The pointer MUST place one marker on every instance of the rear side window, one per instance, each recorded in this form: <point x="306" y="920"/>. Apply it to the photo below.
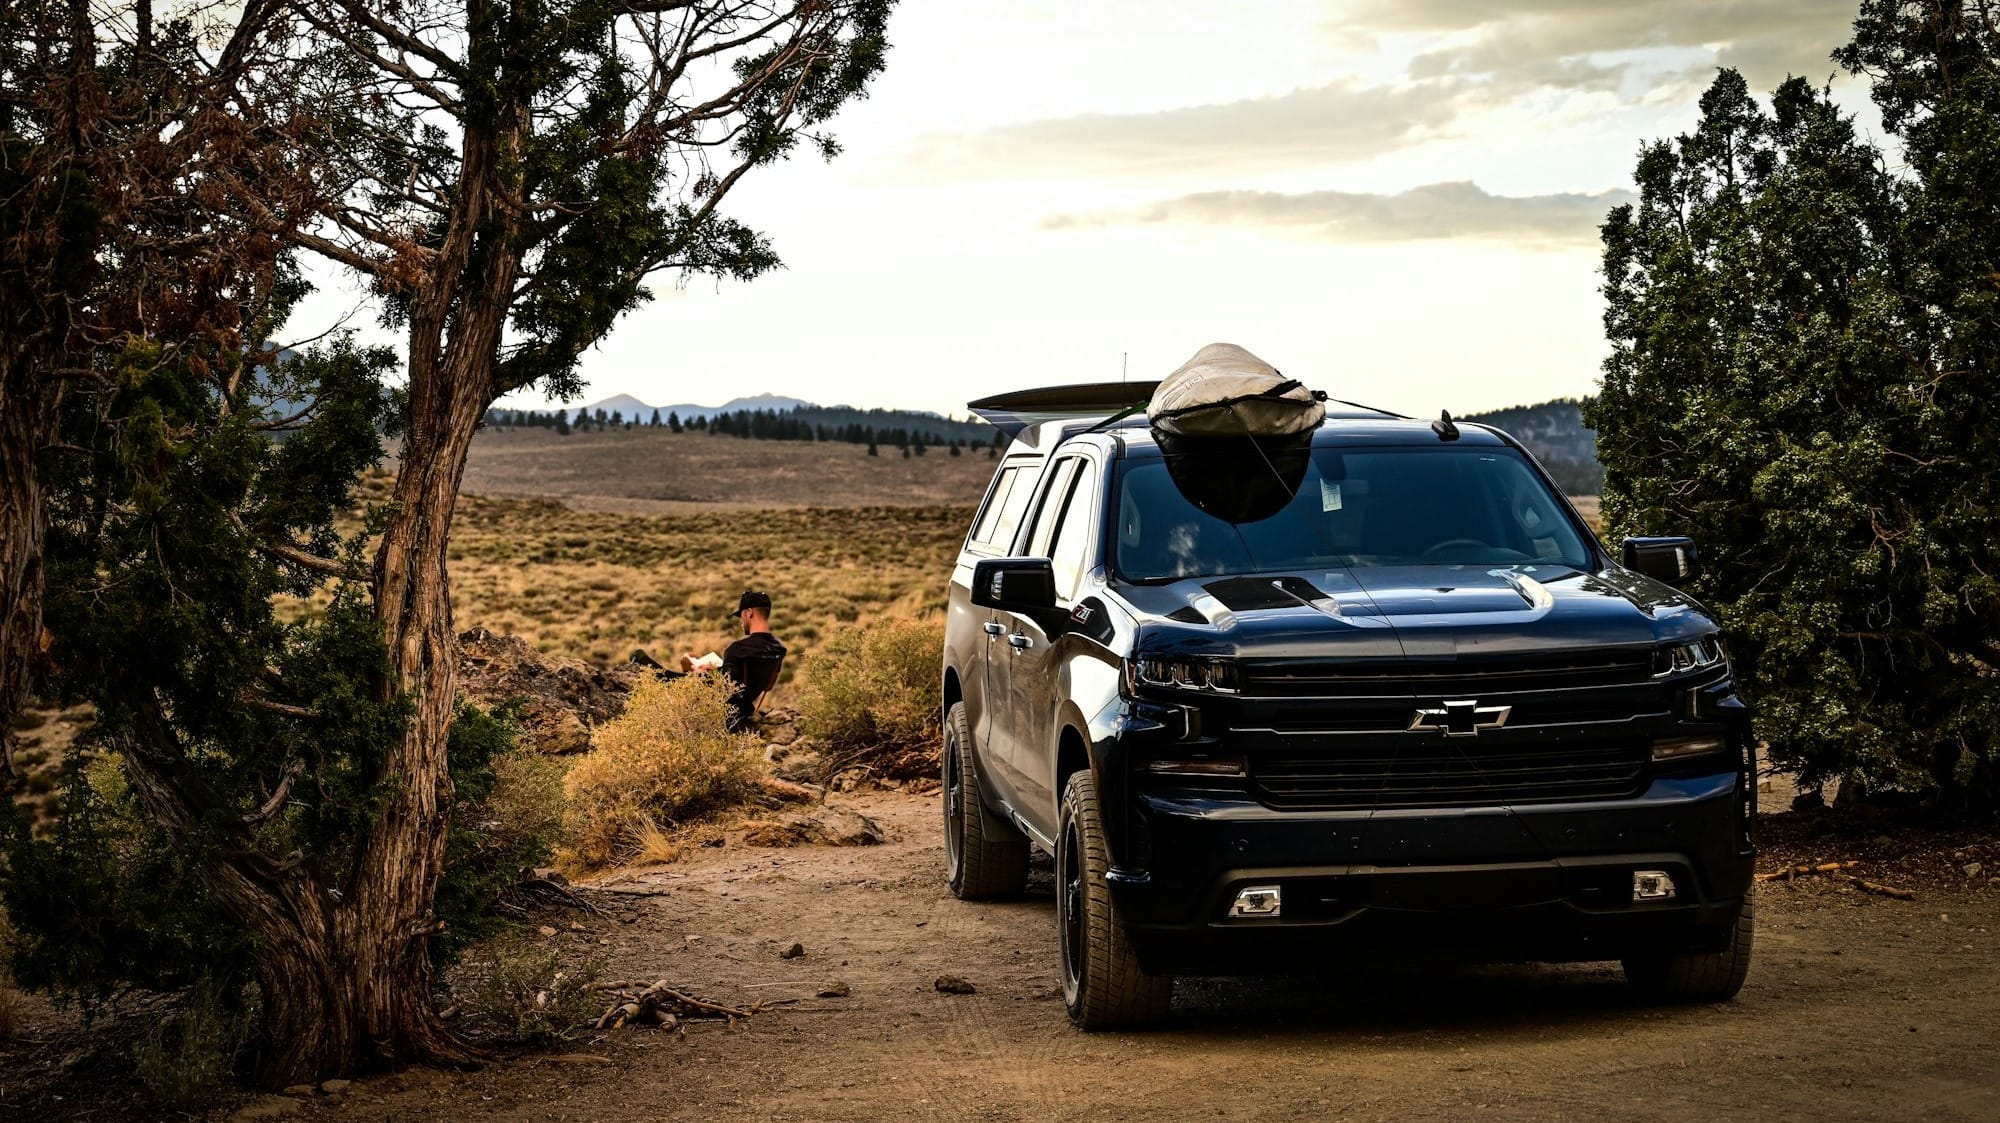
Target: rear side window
<point x="1051" y="508"/>
<point x="1071" y="552"/>
<point x="1001" y="517"/>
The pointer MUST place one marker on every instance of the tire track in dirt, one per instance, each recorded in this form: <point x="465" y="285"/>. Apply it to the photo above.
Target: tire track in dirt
<point x="1858" y="1007"/>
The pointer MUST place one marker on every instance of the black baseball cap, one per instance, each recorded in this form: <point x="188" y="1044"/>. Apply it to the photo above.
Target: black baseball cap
<point x="751" y="599"/>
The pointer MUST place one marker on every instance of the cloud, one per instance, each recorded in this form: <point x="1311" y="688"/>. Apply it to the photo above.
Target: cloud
<point x="1434" y="211"/>
<point x="1767" y="38"/>
<point x="1330" y="123"/>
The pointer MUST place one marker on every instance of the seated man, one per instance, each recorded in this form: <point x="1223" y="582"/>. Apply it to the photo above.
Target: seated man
<point x="751" y="662"/>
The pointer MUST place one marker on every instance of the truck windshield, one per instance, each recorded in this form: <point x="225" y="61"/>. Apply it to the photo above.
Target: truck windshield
<point x="1373" y="507"/>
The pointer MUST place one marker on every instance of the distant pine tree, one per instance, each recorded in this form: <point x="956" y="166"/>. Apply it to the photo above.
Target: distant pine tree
<point x="674" y="422"/>
<point x="655" y="423"/>
<point x="872" y="450"/>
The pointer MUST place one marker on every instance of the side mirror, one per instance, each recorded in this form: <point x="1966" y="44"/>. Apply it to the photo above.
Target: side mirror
<point x="1014" y="584"/>
<point x="1672" y="560"/>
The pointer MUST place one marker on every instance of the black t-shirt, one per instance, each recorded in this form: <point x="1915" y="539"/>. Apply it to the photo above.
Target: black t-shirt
<point x="736" y="660"/>
<point x="756" y="645"/>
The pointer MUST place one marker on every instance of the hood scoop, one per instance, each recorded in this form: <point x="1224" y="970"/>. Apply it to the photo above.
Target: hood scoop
<point x="1254" y="594"/>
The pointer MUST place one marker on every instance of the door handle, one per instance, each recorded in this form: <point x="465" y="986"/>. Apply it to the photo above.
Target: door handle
<point x="1020" y="642"/>
<point x="993" y="628"/>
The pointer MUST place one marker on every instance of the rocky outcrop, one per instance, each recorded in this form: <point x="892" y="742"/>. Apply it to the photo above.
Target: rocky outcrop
<point x="563" y="700"/>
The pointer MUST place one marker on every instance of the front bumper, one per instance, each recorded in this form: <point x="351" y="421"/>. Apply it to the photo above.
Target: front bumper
<point x="1549" y="882"/>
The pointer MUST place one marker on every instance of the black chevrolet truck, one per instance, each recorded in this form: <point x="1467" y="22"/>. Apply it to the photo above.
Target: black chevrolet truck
<point x="1415" y="708"/>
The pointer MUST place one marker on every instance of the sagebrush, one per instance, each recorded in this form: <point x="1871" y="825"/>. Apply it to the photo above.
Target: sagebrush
<point x="871" y="696"/>
<point x="667" y="761"/>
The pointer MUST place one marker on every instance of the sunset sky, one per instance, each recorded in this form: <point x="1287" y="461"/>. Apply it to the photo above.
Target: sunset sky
<point x="1395" y="201"/>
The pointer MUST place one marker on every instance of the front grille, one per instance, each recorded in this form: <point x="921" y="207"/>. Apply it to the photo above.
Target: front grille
<point x="1450" y="774"/>
<point x="1461" y="677"/>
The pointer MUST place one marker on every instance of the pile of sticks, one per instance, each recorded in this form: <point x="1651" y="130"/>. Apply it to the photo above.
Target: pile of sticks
<point x="1791" y="872"/>
<point x="634" y="1004"/>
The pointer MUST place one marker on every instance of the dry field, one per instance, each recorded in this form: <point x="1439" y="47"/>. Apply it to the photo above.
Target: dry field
<point x="597" y="585"/>
<point x="653" y="471"/>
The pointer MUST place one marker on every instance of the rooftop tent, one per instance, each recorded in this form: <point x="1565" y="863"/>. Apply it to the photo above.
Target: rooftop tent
<point x="1011" y="413"/>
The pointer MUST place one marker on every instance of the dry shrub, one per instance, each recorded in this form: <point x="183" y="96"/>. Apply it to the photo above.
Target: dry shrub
<point x="669" y="760"/>
<point x="871" y="696"/>
<point x="519" y="990"/>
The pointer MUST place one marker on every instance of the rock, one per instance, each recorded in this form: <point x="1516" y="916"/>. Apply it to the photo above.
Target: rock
<point x="265" y="1107"/>
<point x="335" y="1087"/>
<point x="796" y="951"/>
<point x="298" y="1089"/>
<point x="1973" y="869"/>
<point x="841" y="826"/>
<point x="546" y="930"/>
<point x="834" y="988"/>
<point x="952" y="984"/>
<point x="829" y="824"/>
<point x="800" y="766"/>
<point x="776" y="833"/>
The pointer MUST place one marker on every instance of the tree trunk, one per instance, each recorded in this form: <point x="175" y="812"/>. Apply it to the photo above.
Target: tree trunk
<point x="27" y="427"/>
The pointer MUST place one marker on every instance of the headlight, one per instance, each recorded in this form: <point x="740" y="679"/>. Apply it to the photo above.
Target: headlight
<point x="1695" y="655"/>
<point x="1214" y="676"/>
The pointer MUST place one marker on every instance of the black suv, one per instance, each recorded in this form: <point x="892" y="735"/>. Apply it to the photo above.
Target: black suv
<point x="1419" y="708"/>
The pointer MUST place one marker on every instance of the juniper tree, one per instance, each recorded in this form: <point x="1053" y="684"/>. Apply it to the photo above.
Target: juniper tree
<point x="1805" y="346"/>
<point x="518" y="173"/>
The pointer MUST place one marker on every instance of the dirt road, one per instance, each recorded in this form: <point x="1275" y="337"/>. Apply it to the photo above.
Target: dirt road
<point x="1859" y="1007"/>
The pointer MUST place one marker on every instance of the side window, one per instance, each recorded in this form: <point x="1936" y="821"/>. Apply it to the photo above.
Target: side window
<point x="996" y="501"/>
<point x="1051" y="509"/>
<point x="1001" y="521"/>
<point x="1073" y="535"/>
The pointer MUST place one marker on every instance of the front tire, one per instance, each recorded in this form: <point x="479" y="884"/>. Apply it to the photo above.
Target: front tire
<point x="984" y="857"/>
<point x="1103" y="986"/>
<point x="1713" y="976"/>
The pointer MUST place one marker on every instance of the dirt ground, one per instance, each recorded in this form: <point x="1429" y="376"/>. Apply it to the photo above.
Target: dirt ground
<point x="1859" y="1006"/>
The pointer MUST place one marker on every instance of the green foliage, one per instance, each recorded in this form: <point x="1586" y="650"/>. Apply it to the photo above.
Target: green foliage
<point x="187" y="1056"/>
<point x="107" y="899"/>
<point x="162" y="506"/>
<point x="1805" y="346"/>
<point x="508" y="817"/>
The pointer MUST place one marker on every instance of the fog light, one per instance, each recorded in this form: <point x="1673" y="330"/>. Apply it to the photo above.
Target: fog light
<point x="1257" y="900"/>
<point x="1676" y="747"/>
<point x="1652" y="885"/>
<point x="1203" y="766"/>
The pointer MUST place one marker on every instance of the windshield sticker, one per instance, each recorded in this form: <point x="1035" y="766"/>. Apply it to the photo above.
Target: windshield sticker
<point x="1329" y="495"/>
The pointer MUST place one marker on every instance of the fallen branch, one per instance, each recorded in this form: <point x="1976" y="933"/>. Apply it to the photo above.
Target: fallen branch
<point x="1884" y="890"/>
<point x="1789" y="872"/>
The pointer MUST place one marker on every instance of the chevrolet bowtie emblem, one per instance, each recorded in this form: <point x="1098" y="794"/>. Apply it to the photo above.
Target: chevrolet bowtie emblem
<point x="1461" y="719"/>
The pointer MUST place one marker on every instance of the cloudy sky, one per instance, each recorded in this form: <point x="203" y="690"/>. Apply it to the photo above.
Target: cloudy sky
<point x="1393" y="200"/>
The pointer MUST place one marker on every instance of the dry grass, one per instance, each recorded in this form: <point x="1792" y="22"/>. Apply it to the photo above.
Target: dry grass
<point x="597" y="586"/>
<point x="656" y="472"/>
<point x="667" y="762"/>
<point x="872" y="697"/>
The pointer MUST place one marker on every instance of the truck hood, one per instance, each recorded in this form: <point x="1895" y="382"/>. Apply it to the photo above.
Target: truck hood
<point x="1421" y="611"/>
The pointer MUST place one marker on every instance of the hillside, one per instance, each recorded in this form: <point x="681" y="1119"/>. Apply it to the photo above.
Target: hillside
<point x="1555" y="433"/>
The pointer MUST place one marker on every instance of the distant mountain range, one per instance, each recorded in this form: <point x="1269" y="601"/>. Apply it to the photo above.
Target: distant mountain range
<point x="1554" y="431"/>
<point x="629" y="407"/>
